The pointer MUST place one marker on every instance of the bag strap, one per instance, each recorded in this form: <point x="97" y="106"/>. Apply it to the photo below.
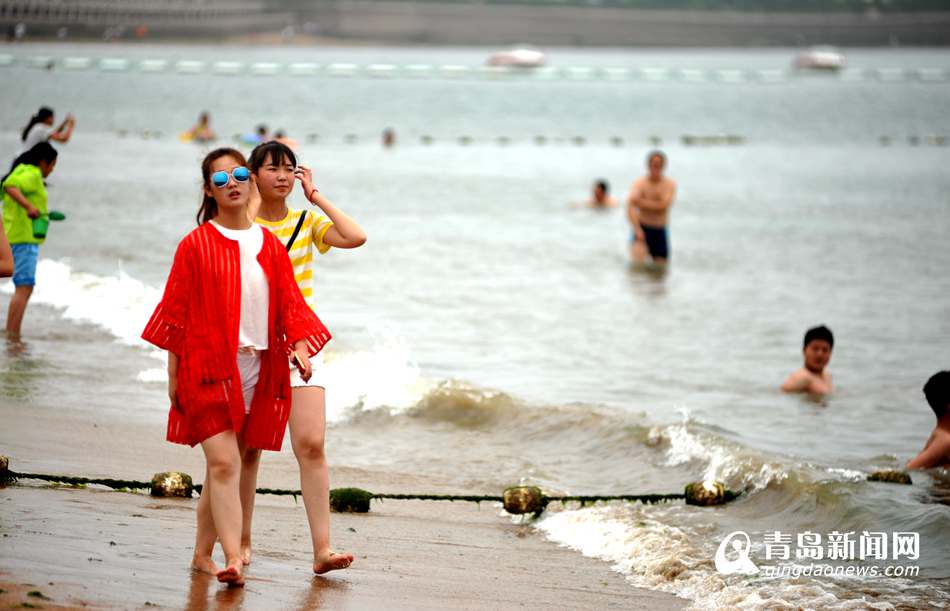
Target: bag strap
<point x="293" y="236"/>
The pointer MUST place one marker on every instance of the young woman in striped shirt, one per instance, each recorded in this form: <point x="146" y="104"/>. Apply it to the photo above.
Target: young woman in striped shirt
<point x="230" y="315"/>
<point x="275" y="171"/>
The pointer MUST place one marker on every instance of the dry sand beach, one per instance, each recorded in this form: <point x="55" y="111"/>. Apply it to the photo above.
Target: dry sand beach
<point x="100" y="548"/>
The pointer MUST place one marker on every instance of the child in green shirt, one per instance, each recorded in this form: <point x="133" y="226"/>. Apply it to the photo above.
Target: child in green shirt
<point x="24" y="199"/>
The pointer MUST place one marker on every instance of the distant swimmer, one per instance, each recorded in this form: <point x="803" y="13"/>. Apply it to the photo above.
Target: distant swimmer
<point x="389" y="137"/>
<point x="261" y="134"/>
<point x="601" y="197"/>
<point x="813" y="378"/>
<point x="936" y="452"/>
<point x="201" y="131"/>
<point x="648" y="209"/>
<point x="40" y="129"/>
<point x="282" y="137"/>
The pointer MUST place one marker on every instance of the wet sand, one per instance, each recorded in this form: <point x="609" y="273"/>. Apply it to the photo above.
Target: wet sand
<point x="80" y="547"/>
<point x="103" y="548"/>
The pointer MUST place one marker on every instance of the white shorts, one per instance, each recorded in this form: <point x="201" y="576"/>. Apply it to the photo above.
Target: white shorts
<point x="249" y="364"/>
<point x="317" y="380"/>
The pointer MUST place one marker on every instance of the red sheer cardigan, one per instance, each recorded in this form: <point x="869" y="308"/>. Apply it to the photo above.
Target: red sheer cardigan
<point x="198" y="319"/>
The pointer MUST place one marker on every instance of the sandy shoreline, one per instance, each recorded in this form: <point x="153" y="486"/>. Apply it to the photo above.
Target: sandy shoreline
<point x="90" y="547"/>
<point x="118" y="550"/>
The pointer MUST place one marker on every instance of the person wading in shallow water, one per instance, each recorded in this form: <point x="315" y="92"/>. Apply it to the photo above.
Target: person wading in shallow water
<point x="24" y="199"/>
<point x="648" y="210"/>
<point x="40" y="129"/>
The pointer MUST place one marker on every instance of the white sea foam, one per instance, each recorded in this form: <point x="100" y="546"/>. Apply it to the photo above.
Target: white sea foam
<point x="672" y="547"/>
<point x="382" y="376"/>
<point x="153" y="375"/>
<point x="118" y="304"/>
<point x="642" y="543"/>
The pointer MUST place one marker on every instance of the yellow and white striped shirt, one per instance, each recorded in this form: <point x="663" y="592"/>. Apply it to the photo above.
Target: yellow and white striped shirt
<point x="314" y="227"/>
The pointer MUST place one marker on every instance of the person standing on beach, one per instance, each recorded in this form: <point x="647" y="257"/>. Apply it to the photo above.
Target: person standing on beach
<point x="24" y="199"/>
<point x="813" y="378"/>
<point x="274" y="168"/>
<point x="40" y="129"/>
<point x="648" y="209"/>
<point x="936" y="452"/>
<point x="230" y="315"/>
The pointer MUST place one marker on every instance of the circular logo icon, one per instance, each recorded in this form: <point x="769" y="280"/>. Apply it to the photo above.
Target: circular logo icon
<point x="741" y="564"/>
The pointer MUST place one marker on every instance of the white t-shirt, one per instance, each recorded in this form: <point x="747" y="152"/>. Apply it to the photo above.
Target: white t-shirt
<point x="38" y="133"/>
<point x="255" y="292"/>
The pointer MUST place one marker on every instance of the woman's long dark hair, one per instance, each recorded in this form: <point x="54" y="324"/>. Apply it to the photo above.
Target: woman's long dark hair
<point x="44" y="113"/>
<point x="209" y="207"/>
<point x="43" y="151"/>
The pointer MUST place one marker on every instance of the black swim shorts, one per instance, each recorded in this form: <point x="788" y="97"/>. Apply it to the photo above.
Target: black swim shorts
<point x="657" y="242"/>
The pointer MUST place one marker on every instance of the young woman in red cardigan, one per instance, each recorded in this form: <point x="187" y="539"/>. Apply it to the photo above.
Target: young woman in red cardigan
<point x="230" y="317"/>
<point x="302" y="232"/>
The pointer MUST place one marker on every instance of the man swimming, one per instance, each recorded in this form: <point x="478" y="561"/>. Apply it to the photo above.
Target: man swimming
<point x="936" y="452"/>
<point x="648" y="210"/>
<point x="601" y="197"/>
<point x="813" y="378"/>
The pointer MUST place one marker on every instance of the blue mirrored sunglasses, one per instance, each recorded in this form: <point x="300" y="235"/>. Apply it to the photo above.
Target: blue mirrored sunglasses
<point x="221" y="179"/>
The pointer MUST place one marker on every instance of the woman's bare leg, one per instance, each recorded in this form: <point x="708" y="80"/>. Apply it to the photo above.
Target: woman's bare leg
<point x="224" y="473"/>
<point x="206" y="534"/>
<point x="307" y="432"/>
<point x="250" y="463"/>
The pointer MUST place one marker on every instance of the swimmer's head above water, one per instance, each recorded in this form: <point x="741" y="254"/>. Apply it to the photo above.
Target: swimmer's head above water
<point x="937" y="391"/>
<point x="817" y="347"/>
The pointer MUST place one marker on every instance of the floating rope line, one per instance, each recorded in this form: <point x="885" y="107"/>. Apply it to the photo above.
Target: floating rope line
<point x="518" y="500"/>
<point x="118" y="484"/>
<point x="515" y="500"/>
<point x="648" y="74"/>
<point x="128" y="484"/>
<point x="553" y="141"/>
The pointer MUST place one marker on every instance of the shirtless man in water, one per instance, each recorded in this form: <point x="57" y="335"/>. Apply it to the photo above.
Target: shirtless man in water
<point x="813" y="378"/>
<point x="936" y="452"/>
<point x="648" y="209"/>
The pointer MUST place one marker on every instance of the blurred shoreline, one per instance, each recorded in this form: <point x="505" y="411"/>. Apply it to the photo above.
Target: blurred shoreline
<point x="385" y="22"/>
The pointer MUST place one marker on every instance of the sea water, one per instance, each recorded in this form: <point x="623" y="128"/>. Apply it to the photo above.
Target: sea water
<point x="492" y="332"/>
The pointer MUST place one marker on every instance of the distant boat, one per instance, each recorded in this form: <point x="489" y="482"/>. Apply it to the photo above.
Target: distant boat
<point x="820" y="58"/>
<point x="518" y="57"/>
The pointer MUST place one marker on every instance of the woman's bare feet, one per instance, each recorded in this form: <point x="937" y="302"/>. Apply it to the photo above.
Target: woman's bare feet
<point x="246" y="553"/>
<point x="204" y="564"/>
<point x="232" y="575"/>
<point x="332" y="562"/>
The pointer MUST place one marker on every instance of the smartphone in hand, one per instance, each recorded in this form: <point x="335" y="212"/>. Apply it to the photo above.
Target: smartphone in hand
<point x="298" y="362"/>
